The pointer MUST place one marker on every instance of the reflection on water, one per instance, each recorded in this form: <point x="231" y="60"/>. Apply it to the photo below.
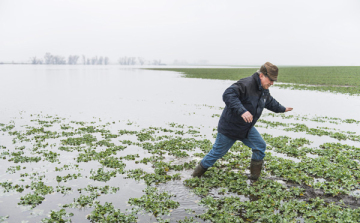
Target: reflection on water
<point x="188" y="201"/>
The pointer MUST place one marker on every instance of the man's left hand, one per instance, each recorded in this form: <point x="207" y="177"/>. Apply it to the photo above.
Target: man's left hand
<point x="288" y="109"/>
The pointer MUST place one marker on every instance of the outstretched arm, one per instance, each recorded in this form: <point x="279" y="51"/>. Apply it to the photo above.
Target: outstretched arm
<point x="274" y="105"/>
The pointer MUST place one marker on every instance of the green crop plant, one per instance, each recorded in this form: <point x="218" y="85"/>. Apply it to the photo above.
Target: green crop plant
<point x="20" y="158"/>
<point x="31" y="199"/>
<point x="63" y="189"/>
<point x="155" y="202"/>
<point x="68" y="177"/>
<point x="102" y="190"/>
<point x="86" y="139"/>
<point x="102" y="175"/>
<point x="40" y="188"/>
<point x="58" y="216"/>
<point x="49" y="156"/>
<point x="13" y="169"/>
<point x="130" y="157"/>
<point x="112" y="162"/>
<point x="83" y="201"/>
<point x="8" y="187"/>
<point x="159" y="177"/>
<point x="107" y="213"/>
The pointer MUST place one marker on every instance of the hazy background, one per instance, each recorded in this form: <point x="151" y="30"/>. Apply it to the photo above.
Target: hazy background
<point x="217" y="32"/>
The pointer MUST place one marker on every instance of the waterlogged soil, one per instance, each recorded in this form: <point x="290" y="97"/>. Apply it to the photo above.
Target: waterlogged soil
<point x="96" y="162"/>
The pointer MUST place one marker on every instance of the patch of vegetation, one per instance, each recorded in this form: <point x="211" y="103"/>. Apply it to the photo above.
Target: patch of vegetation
<point x="107" y="213"/>
<point x="13" y="169"/>
<point x="160" y="176"/>
<point x="85" y="139"/>
<point x="31" y="199"/>
<point x="232" y="209"/>
<point x="40" y="188"/>
<point x="68" y="177"/>
<point x="63" y="189"/>
<point x="83" y="201"/>
<point x="58" y="216"/>
<point x="102" y="190"/>
<point x="102" y="175"/>
<point x="341" y="79"/>
<point x="112" y="162"/>
<point x="155" y="202"/>
<point x="8" y="187"/>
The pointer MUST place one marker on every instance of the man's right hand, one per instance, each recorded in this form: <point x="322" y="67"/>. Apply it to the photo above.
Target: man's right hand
<point x="247" y="116"/>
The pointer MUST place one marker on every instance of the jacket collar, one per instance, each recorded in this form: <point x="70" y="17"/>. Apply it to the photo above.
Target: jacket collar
<point x="258" y="81"/>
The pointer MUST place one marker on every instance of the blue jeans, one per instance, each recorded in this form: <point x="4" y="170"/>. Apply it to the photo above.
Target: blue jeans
<point x="223" y="144"/>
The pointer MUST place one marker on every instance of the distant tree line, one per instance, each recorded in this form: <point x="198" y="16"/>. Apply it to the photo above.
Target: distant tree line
<point x="95" y="60"/>
<point x="137" y="61"/>
<point x="74" y="59"/>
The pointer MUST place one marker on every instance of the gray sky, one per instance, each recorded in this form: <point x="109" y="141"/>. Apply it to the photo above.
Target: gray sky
<point x="316" y="32"/>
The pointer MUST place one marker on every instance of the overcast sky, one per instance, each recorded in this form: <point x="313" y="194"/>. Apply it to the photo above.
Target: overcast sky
<point x="284" y="32"/>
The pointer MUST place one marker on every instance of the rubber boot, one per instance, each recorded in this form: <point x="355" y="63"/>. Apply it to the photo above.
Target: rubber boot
<point x="199" y="171"/>
<point x="255" y="169"/>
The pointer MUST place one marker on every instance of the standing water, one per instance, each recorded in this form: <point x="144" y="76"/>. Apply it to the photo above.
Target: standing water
<point x="116" y="98"/>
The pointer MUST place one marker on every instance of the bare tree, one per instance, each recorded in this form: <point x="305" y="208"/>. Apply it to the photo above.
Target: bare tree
<point x="51" y="59"/>
<point x="131" y="61"/>
<point x="48" y="58"/>
<point x="106" y="60"/>
<point x="141" y="60"/>
<point x="127" y="60"/>
<point x="157" y="62"/>
<point x="100" y="60"/>
<point x="58" y="60"/>
<point x="73" y="59"/>
<point x="34" y="60"/>
<point x="94" y="60"/>
<point x="88" y="61"/>
<point x="84" y="59"/>
<point x="70" y="60"/>
<point x="122" y="60"/>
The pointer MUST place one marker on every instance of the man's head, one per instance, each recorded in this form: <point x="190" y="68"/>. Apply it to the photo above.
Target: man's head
<point x="268" y="74"/>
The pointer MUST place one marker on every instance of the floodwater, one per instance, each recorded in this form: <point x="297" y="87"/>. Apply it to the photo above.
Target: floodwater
<point x="145" y="97"/>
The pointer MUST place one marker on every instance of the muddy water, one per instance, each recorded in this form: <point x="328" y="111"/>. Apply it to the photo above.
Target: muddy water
<point x="145" y="98"/>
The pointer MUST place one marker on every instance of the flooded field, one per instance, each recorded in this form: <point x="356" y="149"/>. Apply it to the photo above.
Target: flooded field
<point x="93" y="144"/>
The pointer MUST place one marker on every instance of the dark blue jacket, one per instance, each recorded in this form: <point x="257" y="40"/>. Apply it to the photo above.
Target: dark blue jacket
<point x="245" y="95"/>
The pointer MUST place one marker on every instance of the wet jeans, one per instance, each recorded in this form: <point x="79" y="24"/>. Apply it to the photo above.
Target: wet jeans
<point x="223" y="144"/>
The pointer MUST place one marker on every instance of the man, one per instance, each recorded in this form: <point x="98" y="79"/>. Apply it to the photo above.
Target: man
<point x="245" y="101"/>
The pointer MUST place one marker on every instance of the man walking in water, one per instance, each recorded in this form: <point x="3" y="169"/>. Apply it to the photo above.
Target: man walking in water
<point x="245" y="101"/>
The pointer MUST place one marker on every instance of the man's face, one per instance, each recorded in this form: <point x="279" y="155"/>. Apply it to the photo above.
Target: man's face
<point x="265" y="81"/>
